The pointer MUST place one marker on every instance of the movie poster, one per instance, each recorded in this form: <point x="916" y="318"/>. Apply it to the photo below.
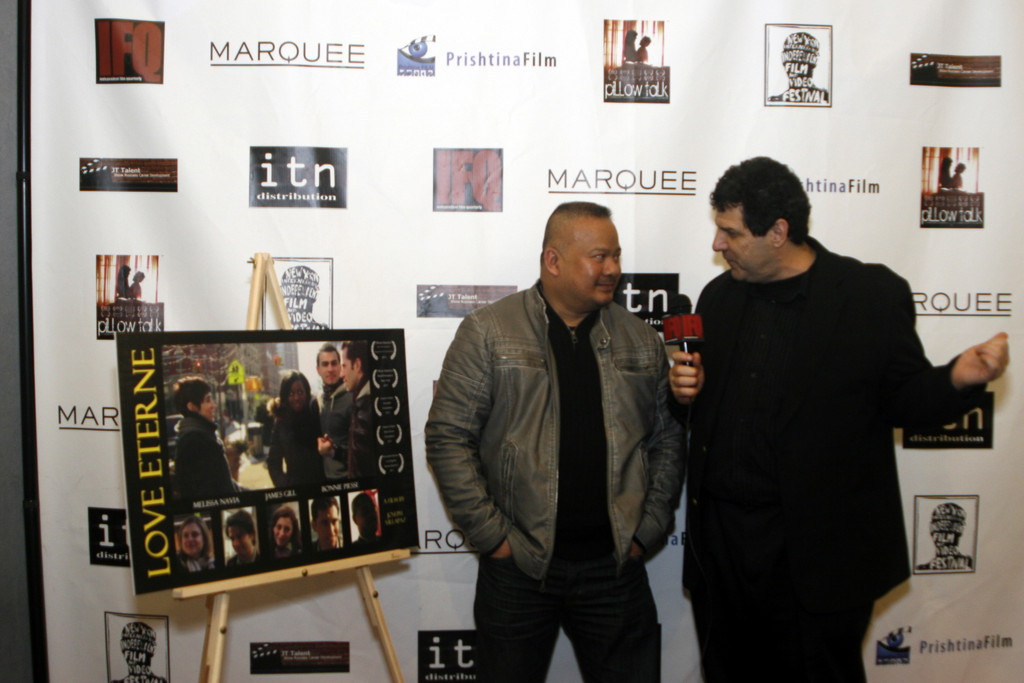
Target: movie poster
<point x="247" y="452"/>
<point x="950" y="188"/>
<point x="128" y="295"/>
<point x="634" y="62"/>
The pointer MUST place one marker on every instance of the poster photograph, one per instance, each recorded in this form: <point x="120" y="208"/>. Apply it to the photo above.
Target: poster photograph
<point x="248" y="452"/>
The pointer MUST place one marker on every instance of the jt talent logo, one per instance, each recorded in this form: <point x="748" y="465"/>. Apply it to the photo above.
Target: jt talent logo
<point x="108" y="537"/>
<point x="972" y="430"/>
<point x="956" y="70"/>
<point x="447" y="656"/>
<point x="945" y="534"/>
<point x="293" y="53"/>
<point x="311" y="177"/>
<point x="964" y="304"/>
<point x="456" y="301"/>
<point x="642" y="181"/>
<point x="893" y="650"/>
<point x="797" y="65"/>
<point x="417" y="58"/>
<point x="467" y="179"/>
<point x="129" y="51"/>
<point x="646" y="295"/>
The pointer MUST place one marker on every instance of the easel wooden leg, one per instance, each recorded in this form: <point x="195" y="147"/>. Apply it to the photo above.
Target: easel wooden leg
<point x="370" y="599"/>
<point x="216" y="630"/>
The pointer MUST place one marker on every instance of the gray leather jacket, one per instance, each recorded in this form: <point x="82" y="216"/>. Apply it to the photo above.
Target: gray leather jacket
<point x="492" y="434"/>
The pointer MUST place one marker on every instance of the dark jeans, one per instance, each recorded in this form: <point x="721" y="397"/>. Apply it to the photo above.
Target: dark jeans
<point x="611" y="621"/>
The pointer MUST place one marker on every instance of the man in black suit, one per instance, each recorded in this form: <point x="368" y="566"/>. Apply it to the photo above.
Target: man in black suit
<point x="794" y="519"/>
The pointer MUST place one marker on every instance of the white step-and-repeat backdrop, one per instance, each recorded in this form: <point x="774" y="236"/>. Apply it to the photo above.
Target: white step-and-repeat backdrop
<point x="398" y="160"/>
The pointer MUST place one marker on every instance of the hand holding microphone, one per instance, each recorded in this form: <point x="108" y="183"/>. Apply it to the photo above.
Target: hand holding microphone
<point x="685" y="331"/>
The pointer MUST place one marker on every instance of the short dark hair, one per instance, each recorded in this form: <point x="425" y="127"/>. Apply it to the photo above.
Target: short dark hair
<point x="243" y="520"/>
<point x="323" y="503"/>
<point x="362" y="504"/>
<point x="191" y="389"/>
<point x="766" y="190"/>
<point x="358" y="350"/>
<point x="571" y="210"/>
<point x="327" y="347"/>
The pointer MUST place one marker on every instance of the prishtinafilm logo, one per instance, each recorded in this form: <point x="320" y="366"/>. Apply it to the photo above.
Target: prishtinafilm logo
<point x="893" y="649"/>
<point x="417" y="58"/>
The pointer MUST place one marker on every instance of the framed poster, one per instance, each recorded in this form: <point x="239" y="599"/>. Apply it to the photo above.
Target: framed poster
<point x="248" y="452"/>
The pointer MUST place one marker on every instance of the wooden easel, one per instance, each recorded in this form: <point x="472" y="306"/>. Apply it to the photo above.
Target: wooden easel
<point x="218" y="592"/>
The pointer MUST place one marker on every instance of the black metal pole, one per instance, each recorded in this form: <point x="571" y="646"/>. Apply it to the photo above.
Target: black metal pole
<point x="30" y="465"/>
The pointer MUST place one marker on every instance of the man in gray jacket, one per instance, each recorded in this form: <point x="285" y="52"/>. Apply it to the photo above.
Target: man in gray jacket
<point x="555" y="453"/>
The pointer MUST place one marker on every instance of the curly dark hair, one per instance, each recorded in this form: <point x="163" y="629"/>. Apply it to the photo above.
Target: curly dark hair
<point x="766" y="190"/>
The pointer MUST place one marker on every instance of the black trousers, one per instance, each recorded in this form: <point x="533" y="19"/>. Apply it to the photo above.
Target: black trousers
<point x="750" y="623"/>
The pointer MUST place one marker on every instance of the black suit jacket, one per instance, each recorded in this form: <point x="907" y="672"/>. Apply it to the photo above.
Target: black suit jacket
<point x="858" y="371"/>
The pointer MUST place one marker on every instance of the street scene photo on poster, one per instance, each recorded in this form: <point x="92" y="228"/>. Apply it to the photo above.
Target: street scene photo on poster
<point x="247" y="452"/>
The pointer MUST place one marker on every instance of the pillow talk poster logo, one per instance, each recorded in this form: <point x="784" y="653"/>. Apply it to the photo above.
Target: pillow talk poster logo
<point x="945" y="534"/>
<point x="894" y="649"/>
<point x="972" y="430"/>
<point x="137" y="648"/>
<point x="129" y="51"/>
<point x="646" y="295"/>
<point x="797" y="65"/>
<point x="467" y="179"/>
<point x="308" y="177"/>
<point x="307" y="285"/>
<point x="447" y="656"/>
<point x="217" y="488"/>
<point x="128" y="175"/>
<point x="950" y="197"/>
<point x="634" y="62"/>
<point x="128" y="295"/>
<point x="956" y="71"/>
<point x="456" y="301"/>
<point x="417" y="58"/>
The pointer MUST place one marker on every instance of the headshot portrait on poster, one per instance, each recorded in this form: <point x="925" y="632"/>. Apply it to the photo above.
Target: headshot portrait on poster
<point x="247" y="452"/>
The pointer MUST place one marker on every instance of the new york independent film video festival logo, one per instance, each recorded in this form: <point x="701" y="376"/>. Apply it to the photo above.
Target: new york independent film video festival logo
<point x="129" y="51"/>
<point x="306" y="177"/>
<point x="797" y="65"/>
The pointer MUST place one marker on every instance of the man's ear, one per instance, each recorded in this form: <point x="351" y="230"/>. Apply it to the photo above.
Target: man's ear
<point x="192" y="406"/>
<point x="778" y="234"/>
<point x="551" y="260"/>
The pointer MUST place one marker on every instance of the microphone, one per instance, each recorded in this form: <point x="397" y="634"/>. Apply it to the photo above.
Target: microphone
<point x="682" y="328"/>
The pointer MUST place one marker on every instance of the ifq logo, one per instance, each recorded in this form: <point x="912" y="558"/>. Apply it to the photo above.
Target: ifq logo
<point x="467" y="179"/>
<point x="129" y="51"/>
